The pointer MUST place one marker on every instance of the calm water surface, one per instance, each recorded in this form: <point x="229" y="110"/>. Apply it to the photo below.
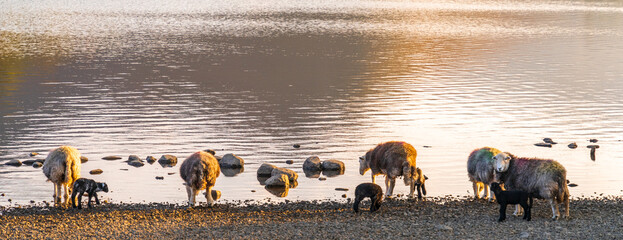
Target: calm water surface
<point x="337" y="77"/>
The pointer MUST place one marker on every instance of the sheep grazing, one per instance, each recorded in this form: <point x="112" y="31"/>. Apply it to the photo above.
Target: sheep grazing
<point x="393" y="159"/>
<point x="199" y="171"/>
<point x="544" y="179"/>
<point x="62" y="167"/>
<point x="371" y="190"/>
<point x="480" y="170"/>
<point x="512" y="197"/>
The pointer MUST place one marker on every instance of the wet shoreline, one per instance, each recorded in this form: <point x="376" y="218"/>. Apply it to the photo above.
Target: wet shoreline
<point x="436" y="217"/>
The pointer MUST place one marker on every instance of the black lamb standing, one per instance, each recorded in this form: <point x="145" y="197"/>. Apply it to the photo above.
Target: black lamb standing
<point x="512" y="197"/>
<point x="89" y="186"/>
<point x="371" y="190"/>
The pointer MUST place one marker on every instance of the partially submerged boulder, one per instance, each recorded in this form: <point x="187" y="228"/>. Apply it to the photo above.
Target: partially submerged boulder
<point x="279" y="180"/>
<point x="333" y="165"/>
<point x="265" y="169"/>
<point x="150" y="159"/>
<point x="292" y="176"/>
<point x="136" y="163"/>
<point x="312" y="164"/>
<point x="230" y="172"/>
<point x="231" y="161"/>
<point x="133" y="158"/>
<point x="168" y="160"/>
<point x="96" y="171"/>
<point x="278" y="191"/>
<point x="83" y="159"/>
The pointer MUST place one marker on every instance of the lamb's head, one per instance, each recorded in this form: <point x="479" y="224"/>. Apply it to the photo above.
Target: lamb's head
<point x="502" y="161"/>
<point x="102" y="187"/>
<point x="495" y="187"/>
<point x="364" y="164"/>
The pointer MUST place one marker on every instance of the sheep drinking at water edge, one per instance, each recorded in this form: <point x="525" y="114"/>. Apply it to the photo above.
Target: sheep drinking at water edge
<point x="62" y="167"/>
<point x="199" y="171"/>
<point x="392" y="159"/>
<point x="544" y="179"/>
<point x="480" y="170"/>
<point x="370" y="190"/>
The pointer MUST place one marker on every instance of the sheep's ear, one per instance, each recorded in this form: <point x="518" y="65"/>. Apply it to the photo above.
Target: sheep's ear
<point x="507" y="158"/>
<point x="361" y="158"/>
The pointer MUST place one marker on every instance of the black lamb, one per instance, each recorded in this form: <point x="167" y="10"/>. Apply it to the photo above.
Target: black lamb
<point x="371" y="190"/>
<point x="89" y="186"/>
<point x="512" y="197"/>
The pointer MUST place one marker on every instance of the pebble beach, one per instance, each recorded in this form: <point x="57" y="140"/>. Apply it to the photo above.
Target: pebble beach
<point x="452" y="217"/>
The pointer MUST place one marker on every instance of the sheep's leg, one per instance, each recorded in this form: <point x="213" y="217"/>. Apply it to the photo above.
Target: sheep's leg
<point x="475" y="186"/>
<point x="66" y="194"/>
<point x="80" y="200"/>
<point x="566" y="201"/>
<point x="209" y="196"/>
<point x="73" y="199"/>
<point x="190" y="193"/>
<point x="97" y="201"/>
<point x="89" y="200"/>
<point x="502" y="212"/>
<point x="412" y="190"/>
<point x="57" y="193"/>
<point x="387" y="194"/>
<point x="518" y="210"/>
<point x="555" y="211"/>
<point x="373" y="178"/>
<point x="488" y="193"/>
<point x="391" y="182"/>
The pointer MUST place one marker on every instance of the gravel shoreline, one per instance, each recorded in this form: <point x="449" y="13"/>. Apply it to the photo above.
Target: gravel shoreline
<point x="434" y="218"/>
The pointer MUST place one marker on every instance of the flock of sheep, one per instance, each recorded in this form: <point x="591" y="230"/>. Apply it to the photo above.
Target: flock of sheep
<point x="540" y="178"/>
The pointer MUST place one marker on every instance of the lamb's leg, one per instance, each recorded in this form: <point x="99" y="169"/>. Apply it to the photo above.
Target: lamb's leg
<point x="555" y="211"/>
<point x="97" y="201"/>
<point x="373" y="178"/>
<point x="387" y="194"/>
<point x="89" y="200"/>
<point x="209" y="196"/>
<point x="502" y="212"/>
<point x="80" y="200"/>
<point x="356" y="203"/>
<point x="373" y="204"/>
<point x="419" y="191"/>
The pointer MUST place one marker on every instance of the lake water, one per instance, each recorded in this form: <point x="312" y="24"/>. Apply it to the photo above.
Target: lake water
<point x="255" y="77"/>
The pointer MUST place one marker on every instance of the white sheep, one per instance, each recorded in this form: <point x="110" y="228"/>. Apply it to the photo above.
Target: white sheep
<point x="62" y="167"/>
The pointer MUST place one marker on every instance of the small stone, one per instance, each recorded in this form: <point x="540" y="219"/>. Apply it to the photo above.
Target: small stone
<point x="343" y="195"/>
<point x="443" y="227"/>
<point x="289" y="162"/>
<point x="83" y="159"/>
<point x="37" y="165"/>
<point x="524" y="235"/>
<point x="133" y="158"/>
<point x="14" y="162"/>
<point x="296" y="146"/>
<point x="123" y="169"/>
<point x="549" y="140"/>
<point x="171" y="173"/>
<point x="252" y="190"/>
<point x="573" y="145"/>
<point x="159" y="177"/>
<point x="425" y="146"/>
<point x="341" y="189"/>
<point x="32" y="154"/>
<point x="593" y="140"/>
<point x="96" y="171"/>
<point x="593" y="146"/>
<point x="111" y="158"/>
<point x="150" y="159"/>
<point x="322" y="178"/>
<point x="32" y="201"/>
<point x="543" y="145"/>
<point x="29" y="162"/>
<point x="572" y="185"/>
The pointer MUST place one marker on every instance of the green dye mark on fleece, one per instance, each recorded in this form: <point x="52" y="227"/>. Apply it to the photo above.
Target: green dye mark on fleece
<point x="487" y="153"/>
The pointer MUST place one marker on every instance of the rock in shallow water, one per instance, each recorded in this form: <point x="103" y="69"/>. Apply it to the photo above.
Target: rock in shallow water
<point x="292" y="176"/>
<point x="333" y="165"/>
<point x="231" y="161"/>
<point x="278" y="180"/>
<point x="265" y="169"/>
<point x="543" y="145"/>
<point x="167" y="160"/>
<point x="150" y="159"/>
<point x="96" y="171"/>
<point x="133" y="158"/>
<point x="136" y="163"/>
<point x="573" y="145"/>
<point x="83" y="159"/>
<point x="312" y="164"/>
<point x="14" y="162"/>
<point x="111" y="158"/>
<point x="37" y="165"/>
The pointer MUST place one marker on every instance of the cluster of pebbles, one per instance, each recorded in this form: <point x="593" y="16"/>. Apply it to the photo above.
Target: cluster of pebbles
<point x="435" y="218"/>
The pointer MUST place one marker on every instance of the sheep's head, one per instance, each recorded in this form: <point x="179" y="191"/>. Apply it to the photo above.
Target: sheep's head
<point x="364" y="164"/>
<point x="420" y="178"/>
<point x="502" y="161"/>
<point x="496" y="188"/>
